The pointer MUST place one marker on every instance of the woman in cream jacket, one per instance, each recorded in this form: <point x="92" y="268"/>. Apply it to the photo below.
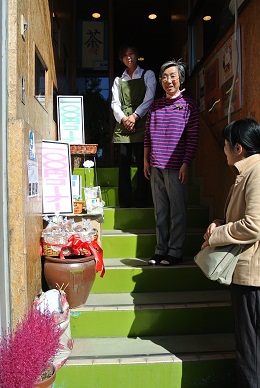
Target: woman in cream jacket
<point x="242" y="226"/>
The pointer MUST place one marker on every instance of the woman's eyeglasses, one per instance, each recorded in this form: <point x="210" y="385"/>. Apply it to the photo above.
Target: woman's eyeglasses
<point x="173" y="77"/>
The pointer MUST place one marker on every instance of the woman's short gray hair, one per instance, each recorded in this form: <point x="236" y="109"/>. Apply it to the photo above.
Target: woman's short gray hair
<point x="179" y="64"/>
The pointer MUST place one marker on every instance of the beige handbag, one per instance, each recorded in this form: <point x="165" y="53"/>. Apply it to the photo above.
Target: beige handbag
<point x="218" y="263"/>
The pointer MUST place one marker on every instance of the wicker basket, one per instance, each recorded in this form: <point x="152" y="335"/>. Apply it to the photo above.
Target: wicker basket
<point x="47" y="250"/>
<point x="83" y="149"/>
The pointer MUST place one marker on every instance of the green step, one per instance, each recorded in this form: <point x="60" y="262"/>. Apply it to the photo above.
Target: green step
<point x="149" y="326"/>
<point x="134" y="218"/>
<point x="107" y="179"/>
<point x="180" y="321"/>
<point x="151" y="314"/>
<point x="110" y="195"/>
<point x="141" y="244"/>
<point x="133" y="275"/>
<point x="167" y="362"/>
<point x="106" y="176"/>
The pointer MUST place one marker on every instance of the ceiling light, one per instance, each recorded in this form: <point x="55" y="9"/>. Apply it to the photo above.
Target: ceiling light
<point x="140" y="59"/>
<point x="152" y="16"/>
<point x="96" y="15"/>
<point x="207" y="18"/>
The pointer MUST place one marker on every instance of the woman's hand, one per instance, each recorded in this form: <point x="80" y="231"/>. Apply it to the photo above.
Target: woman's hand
<point x="209" y="231"/>
<point x="184" y="173"/>
<point x="129" y="122"/>
<point x="204" y="245"/>
<point x="147" y="170"/>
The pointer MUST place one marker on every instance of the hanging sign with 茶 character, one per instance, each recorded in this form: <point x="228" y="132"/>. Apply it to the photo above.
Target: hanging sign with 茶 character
<point x="71" y="119"/>
<point x="93" y="37"/>
<point x="56" y="178"/>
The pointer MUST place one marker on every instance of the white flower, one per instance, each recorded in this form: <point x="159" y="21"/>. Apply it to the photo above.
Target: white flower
<point x="88" y="163"/>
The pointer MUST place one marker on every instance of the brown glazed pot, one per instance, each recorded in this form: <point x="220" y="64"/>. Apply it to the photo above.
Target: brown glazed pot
<point x="75" y="275"/>
<point x="46" y="383"/>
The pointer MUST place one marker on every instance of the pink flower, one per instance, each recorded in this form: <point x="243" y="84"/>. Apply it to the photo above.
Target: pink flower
<point x="26" y="351"/>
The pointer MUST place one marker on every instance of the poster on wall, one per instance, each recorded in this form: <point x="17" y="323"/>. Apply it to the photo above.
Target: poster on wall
<point x="219" y="76"/>
<point x="56" y="178"/>
<point x="227" y="61"/>
<point x="201" y="90"/>
<point x="231" y="67"/>
<point x="212" y="91"/>
<point x="71" y="119"/>
<point x="33" y="181"/>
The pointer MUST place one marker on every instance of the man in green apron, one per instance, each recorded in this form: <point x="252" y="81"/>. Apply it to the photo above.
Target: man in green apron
<point x="132" y="95"/>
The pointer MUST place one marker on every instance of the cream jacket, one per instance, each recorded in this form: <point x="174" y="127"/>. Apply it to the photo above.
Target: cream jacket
<point x="243" y="221"/>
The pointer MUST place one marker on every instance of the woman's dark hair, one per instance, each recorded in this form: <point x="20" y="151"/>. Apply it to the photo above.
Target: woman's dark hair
<point x="245" y="132"/>
<point x="123" y="49"/>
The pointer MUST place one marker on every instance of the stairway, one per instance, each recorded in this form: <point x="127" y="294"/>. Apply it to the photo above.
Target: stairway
<point x="145" y="326"/>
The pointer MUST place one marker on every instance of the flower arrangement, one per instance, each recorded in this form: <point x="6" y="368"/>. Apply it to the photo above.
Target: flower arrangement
<point x="77" y="199"/>
<point x="28" y="351"/>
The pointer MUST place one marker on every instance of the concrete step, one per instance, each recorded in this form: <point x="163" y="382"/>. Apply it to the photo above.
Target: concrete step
<point x="181" y="347"/>
<point x="150" y="314"/>
<point x="150" y="362"/>
<point x="153" y="299"/>
<point x="135" y="275"/>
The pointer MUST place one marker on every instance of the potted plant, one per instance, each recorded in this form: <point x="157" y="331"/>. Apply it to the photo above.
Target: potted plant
<point x="27" y="352"/>
<point x="78" y="204"/>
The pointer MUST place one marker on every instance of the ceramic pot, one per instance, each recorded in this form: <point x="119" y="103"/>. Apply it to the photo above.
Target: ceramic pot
<point x="75" y="275"/>
<point x="46" y="383"/>
<point x="78" y="206"/>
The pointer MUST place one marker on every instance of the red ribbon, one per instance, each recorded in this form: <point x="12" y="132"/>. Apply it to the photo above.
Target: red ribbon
<point x="86" y="248"/>
<point x="78" y="246"/>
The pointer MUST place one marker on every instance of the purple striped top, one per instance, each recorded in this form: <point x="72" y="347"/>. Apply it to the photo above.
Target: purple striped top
<point x="172" y="131"/>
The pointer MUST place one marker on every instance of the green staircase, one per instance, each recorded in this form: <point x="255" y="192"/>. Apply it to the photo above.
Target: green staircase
<point x="145" y="326"/>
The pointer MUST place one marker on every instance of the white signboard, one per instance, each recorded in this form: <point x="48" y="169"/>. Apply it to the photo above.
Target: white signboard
<point x="56" y="178"/>
<point x="71" y="119"/>
<point x="76" y="186"/>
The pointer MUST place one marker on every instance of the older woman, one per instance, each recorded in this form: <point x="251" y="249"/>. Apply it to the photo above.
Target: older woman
<point x="170" y="143"/>
<point x="242" y="226"/>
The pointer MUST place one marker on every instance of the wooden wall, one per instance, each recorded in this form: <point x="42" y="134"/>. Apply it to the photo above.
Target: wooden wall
<point x="211" y="169"/>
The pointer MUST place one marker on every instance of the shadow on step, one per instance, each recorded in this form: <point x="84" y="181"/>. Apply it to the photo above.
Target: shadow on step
<point x="197" y="333"/>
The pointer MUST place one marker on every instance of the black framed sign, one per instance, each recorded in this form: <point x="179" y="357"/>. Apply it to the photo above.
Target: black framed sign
<point x="71" y="119"/>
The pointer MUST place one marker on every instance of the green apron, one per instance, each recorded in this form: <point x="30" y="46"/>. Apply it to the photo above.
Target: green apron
<point x="132" y="93"/>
